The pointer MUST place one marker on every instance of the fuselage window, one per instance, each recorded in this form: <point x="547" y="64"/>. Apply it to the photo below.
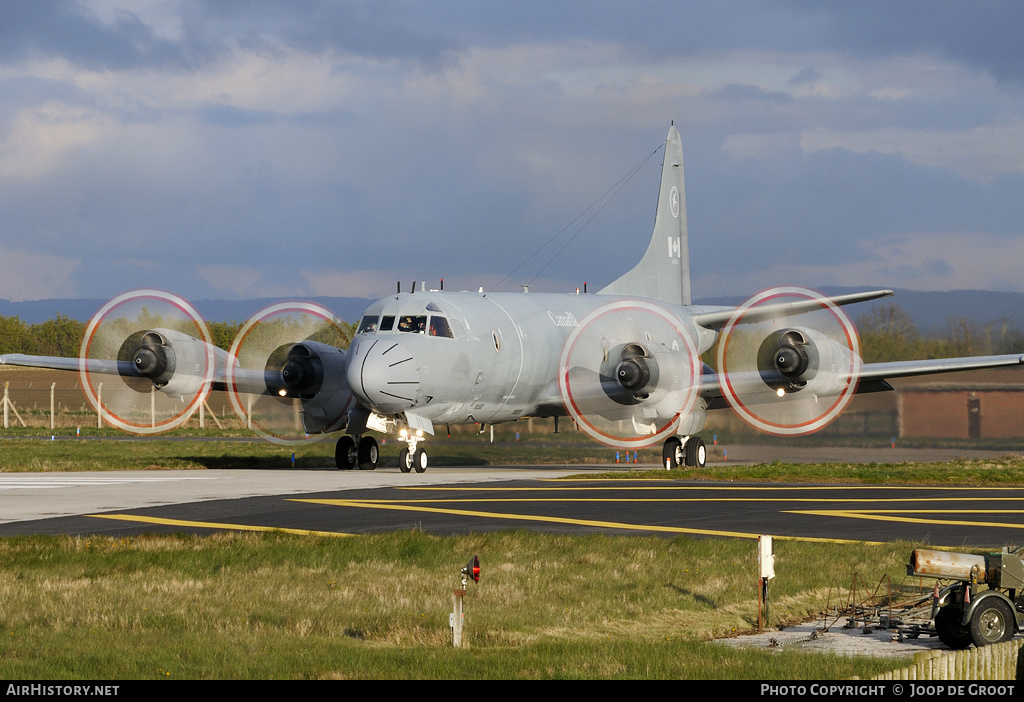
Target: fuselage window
<point x="368" y="325"/>
<point x="439" y="327"/>
<point x="413" y="323"/>
<point x="387" y="323"/>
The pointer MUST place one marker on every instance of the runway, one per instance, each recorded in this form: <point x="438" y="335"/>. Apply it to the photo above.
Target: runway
<point x="464" y="500"/>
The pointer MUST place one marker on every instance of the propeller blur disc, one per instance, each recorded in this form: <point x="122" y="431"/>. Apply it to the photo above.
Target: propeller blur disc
<point x="628" y="373"/>
<point x="146" y="361"/>
<point x="750" y="376"/>
<point x="261" y="350"/>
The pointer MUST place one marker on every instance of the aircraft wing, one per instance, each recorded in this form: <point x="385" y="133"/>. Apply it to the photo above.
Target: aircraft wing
<point x="871" y="378"/>
<point x="67" y="364"/>
<point x="900" y="369"/>
<point x="245" y="380"/>
<point x="719" y="318"/>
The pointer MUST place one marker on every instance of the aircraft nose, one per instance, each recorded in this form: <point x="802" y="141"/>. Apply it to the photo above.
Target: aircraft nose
<point x="384" y="375"/>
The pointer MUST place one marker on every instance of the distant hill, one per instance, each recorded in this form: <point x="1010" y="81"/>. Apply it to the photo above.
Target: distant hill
<point x="930" y="310"/>
<point x="349" y="309"/>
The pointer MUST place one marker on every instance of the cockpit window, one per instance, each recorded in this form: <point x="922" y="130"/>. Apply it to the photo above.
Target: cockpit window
<point x="439" y="327"/>
<point x="416" y="323"/>
<point x="368" y="325"/>
<point x="387" y="322"/>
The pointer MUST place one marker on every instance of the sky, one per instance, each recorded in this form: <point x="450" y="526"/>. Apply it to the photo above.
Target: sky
<point x="229" y="150"/>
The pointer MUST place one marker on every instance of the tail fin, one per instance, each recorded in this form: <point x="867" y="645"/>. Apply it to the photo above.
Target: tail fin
<point x="664" y="271"/>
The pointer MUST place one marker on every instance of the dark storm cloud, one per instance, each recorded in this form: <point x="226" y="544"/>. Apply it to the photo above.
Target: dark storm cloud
<point x="71" y="30"/>
<point x="383" y="30"/>
<point x="64" y="28"/>
<point x="349" y="138"/>
<point x="984" y="35"/>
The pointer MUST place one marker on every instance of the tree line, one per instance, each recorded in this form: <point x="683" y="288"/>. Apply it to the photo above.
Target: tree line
<point x="888" y="333"/>
<point x="62" y="336"/>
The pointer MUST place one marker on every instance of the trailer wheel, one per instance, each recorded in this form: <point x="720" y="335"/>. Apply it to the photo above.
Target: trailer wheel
<point x="991" y="623"/>
<point x="950" y="629"/>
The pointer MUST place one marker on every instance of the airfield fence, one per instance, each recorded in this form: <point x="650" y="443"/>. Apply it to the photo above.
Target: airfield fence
<point x="31" y="392"/>
<point x="41" y="402"/>
<point x="1002" y="661"/>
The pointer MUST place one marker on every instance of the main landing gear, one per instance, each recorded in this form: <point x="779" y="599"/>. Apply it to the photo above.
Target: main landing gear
<point x="348" y="454"/>
<point x="688" y="450"/>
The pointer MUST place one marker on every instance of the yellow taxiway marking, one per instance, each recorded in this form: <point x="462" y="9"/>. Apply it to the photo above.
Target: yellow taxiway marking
<point x="212" y="525"/>
<point x="844" y="500"/>
<point x="367" y="504"/>
<point x="566" y="485"/>
<point x="885" y="516"/>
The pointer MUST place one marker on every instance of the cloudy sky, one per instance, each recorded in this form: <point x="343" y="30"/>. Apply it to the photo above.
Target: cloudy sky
<point x="251" y="149"/>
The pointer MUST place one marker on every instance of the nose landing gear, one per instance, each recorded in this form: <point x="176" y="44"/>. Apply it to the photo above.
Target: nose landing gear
<point x="411" y="456"/>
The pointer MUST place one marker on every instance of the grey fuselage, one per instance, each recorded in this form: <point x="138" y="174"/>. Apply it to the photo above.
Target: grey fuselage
<point x="500" y="362"/>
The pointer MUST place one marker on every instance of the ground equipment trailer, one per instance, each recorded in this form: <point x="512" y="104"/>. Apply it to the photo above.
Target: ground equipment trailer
<point x="965" y="612"/>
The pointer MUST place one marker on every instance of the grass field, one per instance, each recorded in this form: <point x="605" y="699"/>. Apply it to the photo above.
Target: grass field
<point x="261" y="606"/>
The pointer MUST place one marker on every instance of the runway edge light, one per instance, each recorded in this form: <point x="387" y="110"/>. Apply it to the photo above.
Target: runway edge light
<point x="472" y="570"/>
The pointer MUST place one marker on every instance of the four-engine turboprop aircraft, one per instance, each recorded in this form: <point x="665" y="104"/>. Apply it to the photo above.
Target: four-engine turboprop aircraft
<point x="624" y="364"/>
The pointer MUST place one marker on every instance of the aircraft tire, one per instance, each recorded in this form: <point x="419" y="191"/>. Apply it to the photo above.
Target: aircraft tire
<point x="672" y="452"/>
<point x="951" y="632"/>
<point x="345" y="454"/>
<point x="369" y="453"/>
<point x="991" y="623"/>
<point x="420" y="461"/>
<point x="696" y="452"/>
<point x="405" y="460"/>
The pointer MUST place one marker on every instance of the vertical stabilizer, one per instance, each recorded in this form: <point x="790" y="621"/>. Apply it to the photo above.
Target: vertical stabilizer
<point x="664" y="271"/>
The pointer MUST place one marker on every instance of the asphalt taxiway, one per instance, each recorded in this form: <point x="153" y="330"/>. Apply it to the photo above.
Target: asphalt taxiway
<point x="463" y="500"/>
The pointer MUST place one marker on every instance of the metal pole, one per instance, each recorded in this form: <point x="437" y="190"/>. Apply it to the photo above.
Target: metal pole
<point x="457" y="618"/>
<point x="53" y="419"/>
<point x="6" y="401"/>
<point x="99" y="406"/>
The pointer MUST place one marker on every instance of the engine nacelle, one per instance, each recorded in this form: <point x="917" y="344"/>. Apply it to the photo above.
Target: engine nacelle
<point x="659" y="379"/>
<point x="176" y="363"/>
<point x="316" y="373"/>
<point x="800" y="359"/>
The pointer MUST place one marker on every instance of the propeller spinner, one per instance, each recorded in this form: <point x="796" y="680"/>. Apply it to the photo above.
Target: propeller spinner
<point x="628" y="373"/>
<point x="283" y="360"/>
<point x="788" y="374"/>
<point x="146" y="361"/>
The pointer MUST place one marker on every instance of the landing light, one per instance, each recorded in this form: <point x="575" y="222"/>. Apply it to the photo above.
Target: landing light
<point x="781" y="392"/>
<point x="282" y="392"/>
